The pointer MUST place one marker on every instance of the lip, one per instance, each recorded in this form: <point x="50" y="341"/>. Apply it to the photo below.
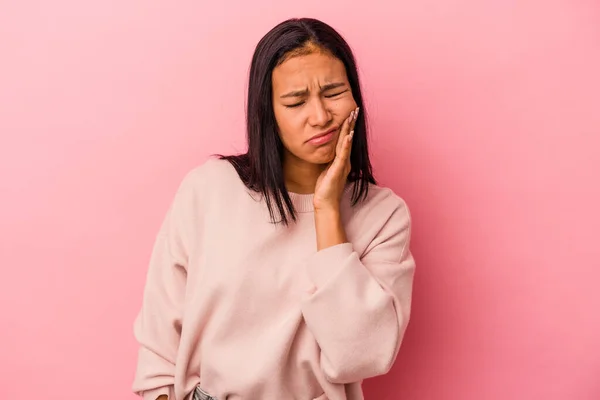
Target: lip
<point x="322" y="138"/>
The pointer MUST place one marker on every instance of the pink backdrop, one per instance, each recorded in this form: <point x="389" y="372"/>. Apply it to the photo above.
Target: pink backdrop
<point x="486" y="119"/>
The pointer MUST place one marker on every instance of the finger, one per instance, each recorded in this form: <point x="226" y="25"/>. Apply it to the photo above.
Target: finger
<point x="345" y="158"/>
<point x="340" y="168"/>
<point x="355" y="119"/>
<point x="350" y="139"/>
<point x="342" y="159"/>
<point x="344" y="131"/>
<point x="351" y="134"/>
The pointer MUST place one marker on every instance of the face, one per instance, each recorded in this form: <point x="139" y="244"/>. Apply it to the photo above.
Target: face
<point x="311" y="99"/>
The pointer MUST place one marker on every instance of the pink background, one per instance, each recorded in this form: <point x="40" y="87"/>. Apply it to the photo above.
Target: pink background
<point x="485" y="117"/>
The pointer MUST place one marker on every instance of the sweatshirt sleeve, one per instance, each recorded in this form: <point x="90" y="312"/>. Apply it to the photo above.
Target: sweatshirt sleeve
<point x="360" y="306"/>
<point x="157" y="327"/>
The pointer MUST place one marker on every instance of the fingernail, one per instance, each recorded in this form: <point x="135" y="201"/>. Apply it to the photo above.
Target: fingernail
<point x="356" y="113"/>
<point x="351" y="134"/>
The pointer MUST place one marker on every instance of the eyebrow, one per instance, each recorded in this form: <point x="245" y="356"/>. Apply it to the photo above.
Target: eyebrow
<point x="300" y="93"/>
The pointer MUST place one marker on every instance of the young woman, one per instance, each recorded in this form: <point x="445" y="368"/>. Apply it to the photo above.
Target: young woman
<point x="285" y="272"/>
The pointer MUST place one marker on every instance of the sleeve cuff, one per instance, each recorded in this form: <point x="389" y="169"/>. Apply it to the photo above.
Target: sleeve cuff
<point x="153" y="394"/>
<point x="325" y="264"/>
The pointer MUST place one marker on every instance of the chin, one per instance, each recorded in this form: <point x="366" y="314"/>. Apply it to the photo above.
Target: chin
<point x="325" y="155"/>
<point x="320" y="159"/>
<point x="321" y="156"/>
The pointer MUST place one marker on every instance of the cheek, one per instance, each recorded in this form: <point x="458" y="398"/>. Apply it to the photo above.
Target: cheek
<point x="343" y="107"/>
<point x="290" y="131"/>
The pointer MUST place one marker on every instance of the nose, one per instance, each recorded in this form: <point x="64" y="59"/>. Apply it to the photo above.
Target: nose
<point x="319" y="114"/>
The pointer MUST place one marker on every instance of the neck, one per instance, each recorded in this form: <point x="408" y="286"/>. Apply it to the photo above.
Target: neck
<point x="301" y="176"/>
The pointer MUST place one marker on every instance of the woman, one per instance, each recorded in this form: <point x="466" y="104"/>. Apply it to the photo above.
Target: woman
<point x="285" y="272"/>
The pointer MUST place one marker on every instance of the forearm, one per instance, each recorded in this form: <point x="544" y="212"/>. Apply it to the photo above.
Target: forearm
<point x="357" y="319"/>
<point x="329" y="228"/>
<point x="359" y="306"/>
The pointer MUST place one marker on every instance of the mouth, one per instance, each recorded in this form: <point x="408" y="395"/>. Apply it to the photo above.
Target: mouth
<point x="323" y="138"/>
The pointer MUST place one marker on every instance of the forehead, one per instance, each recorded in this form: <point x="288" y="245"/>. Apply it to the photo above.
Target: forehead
<point x="303" y="70"/>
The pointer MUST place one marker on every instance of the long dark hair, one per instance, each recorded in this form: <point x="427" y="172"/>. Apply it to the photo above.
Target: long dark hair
<point x="260" y="168"/>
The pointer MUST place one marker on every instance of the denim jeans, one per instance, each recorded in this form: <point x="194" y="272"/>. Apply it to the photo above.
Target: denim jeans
<point x="199" y="394"/>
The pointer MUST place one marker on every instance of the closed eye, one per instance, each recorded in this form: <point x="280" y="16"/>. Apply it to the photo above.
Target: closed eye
<point x="329" y="96"/>
<point x="336" y="94"/>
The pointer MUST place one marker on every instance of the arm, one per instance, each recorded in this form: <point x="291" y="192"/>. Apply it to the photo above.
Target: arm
<point x="360" y="307"/>
<point x="157" y="327"/>
<point x="158" y="324"/>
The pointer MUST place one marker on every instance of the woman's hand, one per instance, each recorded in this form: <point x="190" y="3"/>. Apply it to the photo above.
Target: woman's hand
<point x="332" y="181"/>
<point x="329" y="189"/>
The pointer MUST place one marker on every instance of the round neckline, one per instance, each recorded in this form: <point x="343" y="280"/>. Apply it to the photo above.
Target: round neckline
<point x="304" y="202"/>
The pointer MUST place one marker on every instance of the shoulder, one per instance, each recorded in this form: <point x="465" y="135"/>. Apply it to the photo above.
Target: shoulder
<point x="380" y="221"/>
<point x="383" y="206"/>
<point x="207" y="183"/>
<point x="210" y="171"/>
<point x="212" y="176"/>
<point x="381" y="198"/>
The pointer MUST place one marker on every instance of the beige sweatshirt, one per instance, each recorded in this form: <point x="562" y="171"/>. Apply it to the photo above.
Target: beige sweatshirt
<point x="250" y="310"/>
